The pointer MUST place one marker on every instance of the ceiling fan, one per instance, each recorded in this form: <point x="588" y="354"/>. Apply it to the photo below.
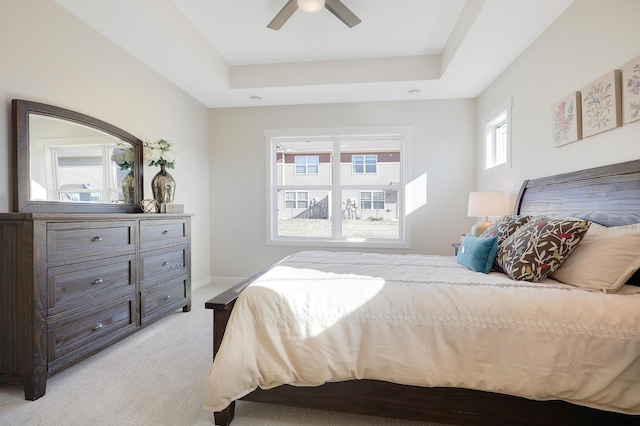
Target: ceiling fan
<point x="336" y="7"/>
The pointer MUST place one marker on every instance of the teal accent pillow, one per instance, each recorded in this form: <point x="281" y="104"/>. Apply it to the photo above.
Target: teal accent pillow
<point x="478" y="254"/>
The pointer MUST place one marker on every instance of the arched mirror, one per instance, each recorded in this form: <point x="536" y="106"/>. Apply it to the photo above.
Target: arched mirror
<point x="65" y="161"/>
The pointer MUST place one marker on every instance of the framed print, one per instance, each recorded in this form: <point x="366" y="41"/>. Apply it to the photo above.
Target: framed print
<point x="631" y="91"/>
<point x="601" y="104"/>
<point x="566" y="120"/>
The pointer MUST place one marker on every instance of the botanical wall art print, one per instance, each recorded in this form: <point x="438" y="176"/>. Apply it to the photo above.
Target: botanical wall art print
<point x="566" y="120"/>
<point x="601" y="104"/>
<point x="631" y="90"/>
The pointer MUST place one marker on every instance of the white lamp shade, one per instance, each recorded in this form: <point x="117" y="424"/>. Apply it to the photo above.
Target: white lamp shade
<point x="486" y="203"/>
<point x="310" y="5"/>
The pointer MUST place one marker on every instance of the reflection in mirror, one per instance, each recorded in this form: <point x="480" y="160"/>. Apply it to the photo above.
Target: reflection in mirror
<point x="71" y="162"/>
<point x="65" y="161"/>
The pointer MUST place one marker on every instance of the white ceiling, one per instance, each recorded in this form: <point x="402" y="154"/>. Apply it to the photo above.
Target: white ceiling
<point x="221" y="52"/>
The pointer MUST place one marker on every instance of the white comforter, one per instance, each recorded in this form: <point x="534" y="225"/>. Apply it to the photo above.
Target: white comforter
<point x="427" y="321"/>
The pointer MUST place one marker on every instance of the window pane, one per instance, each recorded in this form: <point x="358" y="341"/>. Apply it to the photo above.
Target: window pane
<point x="378" y="200"/>
<point x="304" y="214"/>
<point x="302" y="198"/>
<point x="501" y="143"/>
<point x="376" y="220"/>
<point x="489" y="157"/>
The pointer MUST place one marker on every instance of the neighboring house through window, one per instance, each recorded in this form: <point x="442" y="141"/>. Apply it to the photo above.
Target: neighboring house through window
<point x="337" y="186"/>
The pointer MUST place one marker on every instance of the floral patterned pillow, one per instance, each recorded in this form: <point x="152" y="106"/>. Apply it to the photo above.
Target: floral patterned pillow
<point x="503" y="227"/>
<point x="539" y="247"/>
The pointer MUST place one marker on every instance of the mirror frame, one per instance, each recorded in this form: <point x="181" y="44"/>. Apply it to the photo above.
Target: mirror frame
<point x="22" y="202"/>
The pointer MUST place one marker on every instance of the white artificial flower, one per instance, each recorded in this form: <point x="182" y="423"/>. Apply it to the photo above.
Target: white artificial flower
<point x="117" y="157"/>
<point x="146" y="153"/>
<point x="128" y="156"/>
<point x="168" y="156"/>
<point x="156" y="154"/>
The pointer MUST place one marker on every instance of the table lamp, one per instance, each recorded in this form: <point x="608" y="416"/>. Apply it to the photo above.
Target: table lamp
<point x="485" y="204"/>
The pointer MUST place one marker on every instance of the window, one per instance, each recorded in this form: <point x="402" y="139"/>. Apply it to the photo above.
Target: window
<point x="336" y="187"/>
<point x="296" y="199"/>
<point x="497" y="138"/>
<point x="83" y="174"/>
<point x="372" y="200"/>
<point x="307" y="164"/>
<point x="364" y="163"/>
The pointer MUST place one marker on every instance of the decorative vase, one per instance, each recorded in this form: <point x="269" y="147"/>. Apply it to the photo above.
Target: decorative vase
<point x="128" y="188"/>
<point x="163" y="186"/>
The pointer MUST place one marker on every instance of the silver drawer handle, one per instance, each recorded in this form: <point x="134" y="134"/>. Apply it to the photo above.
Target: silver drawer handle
<point x="166" y="297"/>
<point x="165" y="232"/>
<point x="165" y="263"/>
<point x="97" y="281"/>
<point x="98" y="326"/>
<point x="97" y="239"/>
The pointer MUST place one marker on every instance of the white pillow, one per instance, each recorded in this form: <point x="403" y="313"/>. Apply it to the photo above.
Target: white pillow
<point x="604" y="260"/>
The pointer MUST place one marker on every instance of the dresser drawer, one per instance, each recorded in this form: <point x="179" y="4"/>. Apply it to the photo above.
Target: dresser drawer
<point x="162" y="233"/>
<point x="159" y="265"/>
<point x="79" y="285"/>
<point x="71" y="241"/>
<point x="87" y="332"/>
<point x="159" y="299"/>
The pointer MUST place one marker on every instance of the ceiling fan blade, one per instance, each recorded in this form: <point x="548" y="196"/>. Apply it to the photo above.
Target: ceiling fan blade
<point x="284" y="15"/>
<point x="342" y="12"/>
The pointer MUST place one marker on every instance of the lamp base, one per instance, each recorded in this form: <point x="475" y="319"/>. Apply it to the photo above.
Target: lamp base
<point x="480" y="227"/>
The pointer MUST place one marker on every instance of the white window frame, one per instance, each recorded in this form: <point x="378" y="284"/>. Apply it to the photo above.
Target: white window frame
<point x="337" y="134"/>
<point x="490" y="125"/>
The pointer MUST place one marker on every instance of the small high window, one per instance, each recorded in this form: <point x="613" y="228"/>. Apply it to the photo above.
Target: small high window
<point x="497" y="138"/>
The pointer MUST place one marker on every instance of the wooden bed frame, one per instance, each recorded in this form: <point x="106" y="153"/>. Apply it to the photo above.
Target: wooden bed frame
<point x="608" y="195"/>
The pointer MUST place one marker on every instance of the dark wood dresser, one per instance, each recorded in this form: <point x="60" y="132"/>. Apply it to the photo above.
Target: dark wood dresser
<point x="72" y="284"/>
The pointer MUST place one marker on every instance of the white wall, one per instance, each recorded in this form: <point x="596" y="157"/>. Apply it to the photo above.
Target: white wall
<point x="50" y="56"/>
<point x="591" y="38"/>
<point x="443" y="147"/>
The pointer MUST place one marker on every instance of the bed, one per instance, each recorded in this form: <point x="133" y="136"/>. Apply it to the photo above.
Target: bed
<point x="595" y="378"/>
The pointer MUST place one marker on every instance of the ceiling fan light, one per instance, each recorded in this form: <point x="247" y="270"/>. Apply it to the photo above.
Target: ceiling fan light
<point x="310" y="5"/>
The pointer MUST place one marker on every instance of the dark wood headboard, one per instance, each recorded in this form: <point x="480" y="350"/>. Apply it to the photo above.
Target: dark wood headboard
<point x="608" y="195"/>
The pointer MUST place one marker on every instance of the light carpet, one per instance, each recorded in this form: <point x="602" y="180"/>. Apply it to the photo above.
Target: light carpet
<point x="155" y="377"/>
